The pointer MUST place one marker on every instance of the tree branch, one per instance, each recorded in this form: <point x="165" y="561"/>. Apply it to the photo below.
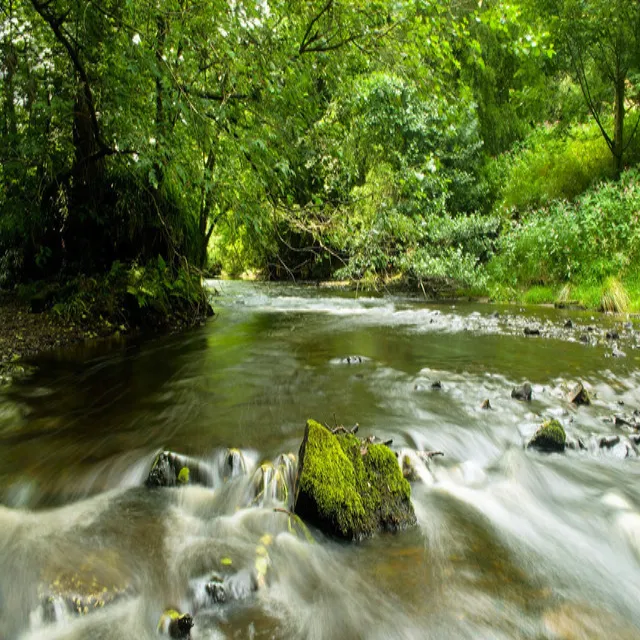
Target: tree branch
<point x="307" y="38"/>
<point x="56" y="26"/>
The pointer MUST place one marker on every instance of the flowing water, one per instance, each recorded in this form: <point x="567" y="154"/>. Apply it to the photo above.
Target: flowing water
<point x="510" y="543"/>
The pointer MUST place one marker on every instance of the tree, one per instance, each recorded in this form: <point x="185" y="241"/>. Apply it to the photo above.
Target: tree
<point x="602" y="42"/>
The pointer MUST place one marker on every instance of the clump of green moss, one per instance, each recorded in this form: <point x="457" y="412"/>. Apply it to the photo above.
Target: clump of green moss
<point x="350" y="488"/>
<point x="550" y="436"/>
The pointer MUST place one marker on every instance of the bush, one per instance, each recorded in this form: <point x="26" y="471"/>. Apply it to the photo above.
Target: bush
<point x="553" y="165"/>
<point x="595" y="238"/>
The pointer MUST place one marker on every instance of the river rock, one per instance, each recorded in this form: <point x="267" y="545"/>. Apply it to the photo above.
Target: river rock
<point x="608" y="442"/>
<point x="522" y="393"/>
<point x="350" y="488"/>
<point x="617" y="353"/>
<point x="550" y="436"/>
<point x="531" y="331"/>
<point x="175" y="625"/>
<point x="173" y="470"/>
<point x="234" y="464"/>
<point x="579" y="395"/>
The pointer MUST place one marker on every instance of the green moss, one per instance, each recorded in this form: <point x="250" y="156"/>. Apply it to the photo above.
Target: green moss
<point x="329" y="476"/>
<point x="357" y="488"/>
<point x="183" y="476"/>
<point x="549" y="437"/>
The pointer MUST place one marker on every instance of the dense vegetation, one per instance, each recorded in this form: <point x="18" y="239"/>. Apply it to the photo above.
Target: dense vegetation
<point x="477" y="145"/>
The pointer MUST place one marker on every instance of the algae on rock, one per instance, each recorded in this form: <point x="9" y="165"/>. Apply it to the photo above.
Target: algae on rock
<point x="550" y="436"/>
<point x="350" y="488"/>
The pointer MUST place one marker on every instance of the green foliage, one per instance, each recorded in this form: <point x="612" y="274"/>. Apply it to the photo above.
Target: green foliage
<point x="540" y="295"/>
<point x="131" y="295"/>
<point x="552" y="164"/>
<point x="590" y="240"/>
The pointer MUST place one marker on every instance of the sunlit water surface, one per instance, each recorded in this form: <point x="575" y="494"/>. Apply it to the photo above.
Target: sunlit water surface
<point x="510" y="543"/>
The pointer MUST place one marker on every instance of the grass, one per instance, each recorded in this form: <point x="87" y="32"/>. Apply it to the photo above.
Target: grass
<point x="611" y="295"/>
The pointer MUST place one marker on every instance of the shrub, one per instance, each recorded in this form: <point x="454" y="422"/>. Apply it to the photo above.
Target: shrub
<point x="590" y="240"/>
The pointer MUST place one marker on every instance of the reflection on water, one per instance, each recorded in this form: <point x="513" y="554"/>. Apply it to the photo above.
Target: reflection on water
<point x="510" y="543"/>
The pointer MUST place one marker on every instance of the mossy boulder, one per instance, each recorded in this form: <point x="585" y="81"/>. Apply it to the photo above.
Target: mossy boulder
<point x="350" y="488"/>
<point x="550" y="436"/>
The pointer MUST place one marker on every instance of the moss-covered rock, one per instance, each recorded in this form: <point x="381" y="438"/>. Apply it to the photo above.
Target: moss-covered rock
<point x="550" y="436"/>
<point x="350" y="488"/>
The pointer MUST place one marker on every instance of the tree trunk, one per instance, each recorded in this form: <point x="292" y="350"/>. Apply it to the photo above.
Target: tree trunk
<point x="9" y="63"/>
<point x="618" y="133"/>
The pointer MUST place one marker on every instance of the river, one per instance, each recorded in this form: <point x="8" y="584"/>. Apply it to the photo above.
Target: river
<point x="510" y="543"/>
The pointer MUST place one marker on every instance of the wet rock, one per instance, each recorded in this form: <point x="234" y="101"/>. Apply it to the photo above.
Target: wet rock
<point x="172" y="470"/>
<point x="612" y="335"/>
<point x="234" y="464"/>
<point x="353" y="360"/>
<point x="584" y="338"/>
<point x="607" y="442"/>
<point x="436" y="384"/>
<point x="485" y="405"/>
<point x="216" y="589"/>
<point x="175" y="625"/>
<point x="617" y="353"/>
<point x="269" y="485"/>
<point x="522" y="393"/>
<point x="550" y="436"/>
<point x="531" y="331"/>
<point x="408" y="468"/>
<point x="576" y="444"/>
<point x="348" y="489"/>
<point x="579" y="395"/>
<point x="568" y="324"/>
<point x="624" y="420"/>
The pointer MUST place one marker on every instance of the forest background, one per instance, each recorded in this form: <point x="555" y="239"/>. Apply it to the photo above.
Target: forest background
<point x="484" y="148"/>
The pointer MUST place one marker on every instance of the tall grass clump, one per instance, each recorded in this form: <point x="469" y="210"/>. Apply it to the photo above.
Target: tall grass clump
<point x="614" y="296"/>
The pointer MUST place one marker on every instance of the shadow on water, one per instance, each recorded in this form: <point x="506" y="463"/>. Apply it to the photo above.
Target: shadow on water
<point x="510" y="543"/>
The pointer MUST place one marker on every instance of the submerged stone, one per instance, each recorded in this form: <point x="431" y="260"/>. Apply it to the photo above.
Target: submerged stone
<point x="173" y="470"/>
<point x="550" y="436"/>
<point x="77" y="591"/>
<point x="349" y="490"/>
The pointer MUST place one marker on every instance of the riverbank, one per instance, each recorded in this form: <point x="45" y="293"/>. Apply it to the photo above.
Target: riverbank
<point x="24" y="334"/>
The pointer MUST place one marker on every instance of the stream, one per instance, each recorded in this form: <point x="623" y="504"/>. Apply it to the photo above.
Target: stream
<point x="510" y="543"/>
